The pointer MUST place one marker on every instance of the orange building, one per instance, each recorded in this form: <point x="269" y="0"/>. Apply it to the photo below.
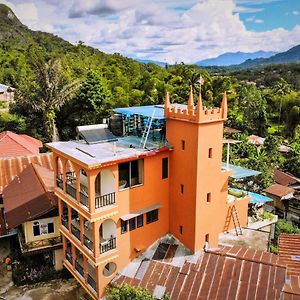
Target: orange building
<point x="127" y="192"/>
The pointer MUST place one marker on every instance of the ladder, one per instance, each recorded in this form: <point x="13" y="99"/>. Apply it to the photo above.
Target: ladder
<point x="147" y="131"/>
<point x="232" y="213"/>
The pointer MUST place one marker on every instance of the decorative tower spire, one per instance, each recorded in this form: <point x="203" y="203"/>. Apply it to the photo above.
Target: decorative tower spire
<point x="191" y="101"/>
<point x="167" y="102"/>
<point x="224" y="106"/>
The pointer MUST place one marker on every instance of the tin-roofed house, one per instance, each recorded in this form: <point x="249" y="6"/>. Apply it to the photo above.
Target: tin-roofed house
<point x="30" y="207"/>
<point x="6" y="93"/>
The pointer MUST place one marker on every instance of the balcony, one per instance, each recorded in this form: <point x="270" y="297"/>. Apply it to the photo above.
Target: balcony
<point x="88" y="243"/>
<point x="64" y="221"/>
<point x="108" y="245"/>
<point x="69" y="257"/>
<point x="54" y="242"/>
<point x="75" y="230"/>
<point x="79" y="268"/>
<point x="105" y="200"/>
<point x="92" y="282"/>
<point x="59" y="182"/>
<point x="71" y="190"/>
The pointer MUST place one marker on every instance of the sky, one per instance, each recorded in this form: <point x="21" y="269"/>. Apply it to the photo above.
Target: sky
<point x="167" y="30"/>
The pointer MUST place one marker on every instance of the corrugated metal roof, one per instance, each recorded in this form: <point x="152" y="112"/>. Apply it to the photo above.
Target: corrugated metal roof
<point x="12" y="144"/>
<point x="239" y="172"/>
<point x="231" y="273"/>
<point x="146" y="111"/>
<point x="279" y="190"/>
<point x="284" y="178"/>
<point x="27" y="196"/>
<point x="12" y="167"/>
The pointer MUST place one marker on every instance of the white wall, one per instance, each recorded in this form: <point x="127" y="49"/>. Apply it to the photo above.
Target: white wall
<point x="107" y="182"/>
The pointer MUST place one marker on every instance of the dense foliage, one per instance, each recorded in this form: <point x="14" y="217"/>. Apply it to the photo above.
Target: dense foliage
<point x="61" y="85"/>
<point x="127" y="292"/>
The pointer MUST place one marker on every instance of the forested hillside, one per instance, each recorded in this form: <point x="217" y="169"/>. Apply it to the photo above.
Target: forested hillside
<point x="60" y="86"/>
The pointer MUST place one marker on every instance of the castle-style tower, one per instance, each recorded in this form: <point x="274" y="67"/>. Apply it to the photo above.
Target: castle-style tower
<point x="198" y="186"/>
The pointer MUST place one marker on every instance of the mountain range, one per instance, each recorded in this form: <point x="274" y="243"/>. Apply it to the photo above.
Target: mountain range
<point x="233" y="58"/>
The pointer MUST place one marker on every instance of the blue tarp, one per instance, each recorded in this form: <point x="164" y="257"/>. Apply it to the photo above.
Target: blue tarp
<point x="145" y="111"/>
<point x="256" y="198"/>
<point x="240" y="172"/>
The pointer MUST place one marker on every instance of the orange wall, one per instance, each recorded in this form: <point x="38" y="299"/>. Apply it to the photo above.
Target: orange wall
<point x="200" y="175"/>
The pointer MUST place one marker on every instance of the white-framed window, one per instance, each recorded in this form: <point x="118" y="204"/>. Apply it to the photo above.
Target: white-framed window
<point x="41" y="228"/>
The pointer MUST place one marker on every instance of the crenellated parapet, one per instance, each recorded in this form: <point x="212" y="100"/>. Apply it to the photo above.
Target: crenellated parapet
<point x="195" y="113"/>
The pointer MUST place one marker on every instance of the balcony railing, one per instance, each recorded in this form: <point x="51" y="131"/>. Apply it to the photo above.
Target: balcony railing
<point x="88" y="243"/>
<point x="69" y="258"/>
<point x="105" y="200"/>
<point x="79" y="268"/>
<point x="71" y="190"/>
<point x="59" y="182"/>
<point x="84" y="199"/>
<point x="75" y="231"/>
<point x="92" y="282"/>
<point x="64" y="221"/>
<point x="108" y="245"/>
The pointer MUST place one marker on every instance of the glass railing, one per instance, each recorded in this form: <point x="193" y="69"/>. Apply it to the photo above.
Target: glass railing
<point x="71" y="190"/>
<point x="88" y="243"/>
<point x="92" y="282"/>
<point x="79" y="268"/>
<point x="64" y="221"/>
<point x="84" y="199"/>
<point x="75" y="231"/>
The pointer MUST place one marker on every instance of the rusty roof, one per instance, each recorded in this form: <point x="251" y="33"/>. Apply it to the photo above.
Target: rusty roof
<point x="284" y="178"/>
<point x="279" y="190"/>
<point x="231" y="130"/>
<point x="27" y="196"/>
<point x="228" y="273"/>
<point x="12" y="167"/>
<point x="12" y="144"/>
<point x="289" y="252"/>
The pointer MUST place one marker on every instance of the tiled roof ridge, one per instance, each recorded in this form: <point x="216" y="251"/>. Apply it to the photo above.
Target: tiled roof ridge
<point x="278" y="263"/>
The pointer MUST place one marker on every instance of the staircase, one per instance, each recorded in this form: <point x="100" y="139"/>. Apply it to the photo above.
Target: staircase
<point x="232" y="213"/>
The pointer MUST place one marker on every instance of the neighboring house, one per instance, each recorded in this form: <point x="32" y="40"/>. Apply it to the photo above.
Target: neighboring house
<point x="12" y="145"/>
<point x="30" y="207"/>
<point x="6" y="93"/>
<point x="285" y="202"/>
<point x="286" y="179"/>
<point x="127" y="192"/>
<point x="259" y="141"/>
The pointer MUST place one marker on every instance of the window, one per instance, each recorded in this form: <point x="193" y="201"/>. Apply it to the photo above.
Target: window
<point x="131" y="173"/>
<point x="40" y="228"/>
<point x="123" y="226"/>
<point x="181" y="188"/>
<point x="210" y="153"/>
<point x="132" y="224"/>
<point x="1" y="199"/>
<point x="165" y="168"/>
<point x="140" y="221"/>
<point x="183" y="145"/>
<point x="181" y="229"/>
<point x="152" y="216"/>
<point x="208" y="197"/>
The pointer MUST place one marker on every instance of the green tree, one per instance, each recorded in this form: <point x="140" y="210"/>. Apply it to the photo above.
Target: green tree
<point x="127" y="292"/>
<point x="48" y="92"/>
<point x="94" y="100"/>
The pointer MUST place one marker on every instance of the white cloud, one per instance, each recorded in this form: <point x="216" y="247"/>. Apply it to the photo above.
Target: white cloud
<point x="259" y="21"/>
<point x="178" y="30"/>
<point x="295" y="12"/>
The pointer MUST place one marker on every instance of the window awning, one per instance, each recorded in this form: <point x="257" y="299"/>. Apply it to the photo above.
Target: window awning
<point x="140" y="212"/>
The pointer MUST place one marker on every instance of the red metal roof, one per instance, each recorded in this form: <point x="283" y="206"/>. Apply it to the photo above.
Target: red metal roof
<point x="232" y="273"/>
<point x="12" y="167"/>
<point x="284" y="178"/>
<point x="27" y="196"/>
<point x="279" y="190"/>
<point x="12" y="144"/>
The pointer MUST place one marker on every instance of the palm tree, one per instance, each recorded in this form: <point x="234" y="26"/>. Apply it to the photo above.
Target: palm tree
<point x="49" y="92"/>
<point x="281" y="88"/>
